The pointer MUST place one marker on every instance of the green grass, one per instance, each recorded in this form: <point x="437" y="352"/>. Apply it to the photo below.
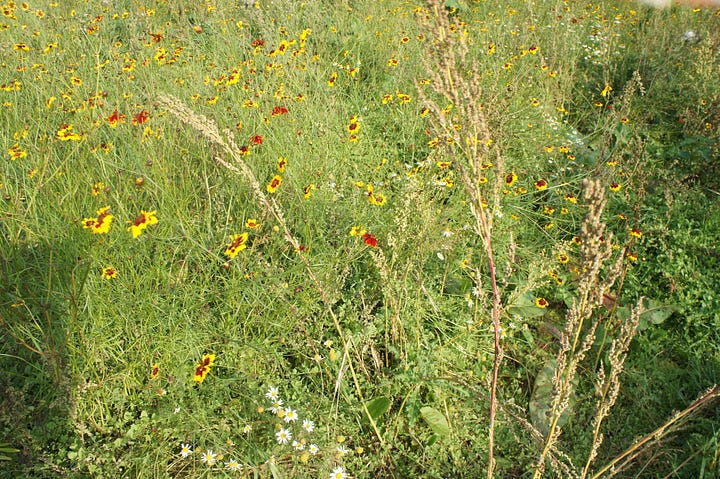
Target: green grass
<point x="387" y="349"/>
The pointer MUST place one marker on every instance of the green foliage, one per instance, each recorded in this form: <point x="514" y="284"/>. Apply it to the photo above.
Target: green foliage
<point x="387" y="347"/>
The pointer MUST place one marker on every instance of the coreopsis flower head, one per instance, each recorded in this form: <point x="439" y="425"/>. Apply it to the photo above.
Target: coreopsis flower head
<point x="140" y="118"/>
<point x="66" y="133"/>
<point x="203" y="368"/>
<point x="115" y="119"/>
<point x="109" y="272"/>
<point x="510" y="179"/>
<point x="353" y="125"/>
<point x="100" y="224"/>
<point x="541" y="184"/>
<point x="237" y="244"/>
<point x="370" y="240"/>
<point x="274" y="184"/>
<point x="541" y="303"/>
<point x="307" y="191"/>
<point x="144" y="219"/>
<point x="16" y="152"/>
<point x="333" y="78"/>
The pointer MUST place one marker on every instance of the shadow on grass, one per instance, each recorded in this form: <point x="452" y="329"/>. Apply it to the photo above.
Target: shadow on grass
<point x="39" y="287"/>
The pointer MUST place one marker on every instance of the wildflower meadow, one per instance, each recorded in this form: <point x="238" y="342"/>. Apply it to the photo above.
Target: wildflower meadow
<point x="359" y="239"/>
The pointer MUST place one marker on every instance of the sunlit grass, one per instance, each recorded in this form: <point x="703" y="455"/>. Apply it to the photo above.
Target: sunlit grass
<point x="155" y="308"/>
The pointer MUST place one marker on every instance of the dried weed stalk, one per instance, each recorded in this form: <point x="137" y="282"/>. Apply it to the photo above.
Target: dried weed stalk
<point x="466" y="129"/>
<point x="577" y="339"/>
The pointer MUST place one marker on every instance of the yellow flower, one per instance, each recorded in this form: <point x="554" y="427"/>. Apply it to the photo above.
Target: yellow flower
<point x="144" y="219"/>
<point x="357" y="231"/>
<point x="16" y="152"/>
<point x="274" y="184"/>
<point x="65" y="133"/>
<point x="109" y="272"/>
<point x="237" y="244"/>
<point x="307" y="191"/>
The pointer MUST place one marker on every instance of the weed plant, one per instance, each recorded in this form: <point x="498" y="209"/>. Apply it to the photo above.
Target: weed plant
<point x="359" y="239"/>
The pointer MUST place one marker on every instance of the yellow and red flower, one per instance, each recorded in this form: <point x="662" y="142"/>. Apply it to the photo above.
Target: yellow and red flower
<point x="510" y="179"/>
<point x="274" y="184"/>
<point x="140" y="118"/>
<point x="370" y="240"/>
<point x="109" y="272"/>
<point x="541" y="184"/>
<point x="333" y="78"/>
<point x="237" y="244"/>
<point x="144" y="219"/>
<point x="279" y="110"/>
<point x="101" y="224"/>
<point x="115" y="119"/>
<point x="353" y="125"/>
<point x="636" y="233"/>
<point x="307" y="191"/>
<point x="203" y="368"/>
<point x="16" y="152"/>
<point x="65" y="133"/>
<point x="541" y="303"/>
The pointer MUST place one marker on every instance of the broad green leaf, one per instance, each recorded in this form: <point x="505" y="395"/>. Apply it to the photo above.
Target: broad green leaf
<point x="541" y="399"/>
<point x="525" y="306"/>
<point x="656" y="312"/>
<point x="378" y="406"/>
<point x="528" y="336"/>
<point x="436" y="420"/>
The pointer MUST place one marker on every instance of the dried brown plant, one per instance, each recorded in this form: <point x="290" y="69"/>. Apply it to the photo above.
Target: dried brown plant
<point x="466" y="129"/>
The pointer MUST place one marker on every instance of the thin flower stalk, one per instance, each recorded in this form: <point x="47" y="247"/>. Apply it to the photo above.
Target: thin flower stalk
<point x="467" y="128"/>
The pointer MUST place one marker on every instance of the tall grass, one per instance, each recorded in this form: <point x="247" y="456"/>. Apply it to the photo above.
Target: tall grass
<point x="358" y="239"/>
